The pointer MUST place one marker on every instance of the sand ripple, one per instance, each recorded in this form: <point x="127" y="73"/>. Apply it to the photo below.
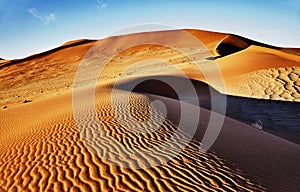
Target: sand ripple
<point x="52" y="156"/>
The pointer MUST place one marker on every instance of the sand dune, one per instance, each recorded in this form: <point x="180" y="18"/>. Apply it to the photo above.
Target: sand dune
<point x="3" y="61"/>
<point x="48" y="153"/>
<point x="231" y="44"/>
<point x="43" y="149"/>
<point x="266" y="159"/>
<point x="260" y="72"/>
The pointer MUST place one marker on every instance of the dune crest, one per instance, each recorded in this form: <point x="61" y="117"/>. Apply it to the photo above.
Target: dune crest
<point x="230" y="44"/>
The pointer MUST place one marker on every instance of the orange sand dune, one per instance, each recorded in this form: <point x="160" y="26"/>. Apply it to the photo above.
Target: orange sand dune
<point x="295" y="51"/>
<point x="262" y="73"/>
<point x="46" y="152"/>
<point x="254" y="69"/>
<point x="2" y="61"/>
<point x="43" y="149"/>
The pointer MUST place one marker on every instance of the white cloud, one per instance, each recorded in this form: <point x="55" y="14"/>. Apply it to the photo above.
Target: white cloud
<point x="45" y="19"/>
<point x="101" y="4"/>
<point x="50" y="18"/>
<point x="34" y="12"/>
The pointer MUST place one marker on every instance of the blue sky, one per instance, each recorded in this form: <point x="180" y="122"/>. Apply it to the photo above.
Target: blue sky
<point x="33" y="26"/>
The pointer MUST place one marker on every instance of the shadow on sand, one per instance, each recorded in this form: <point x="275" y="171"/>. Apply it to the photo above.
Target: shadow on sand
<point x="280" y="118"/>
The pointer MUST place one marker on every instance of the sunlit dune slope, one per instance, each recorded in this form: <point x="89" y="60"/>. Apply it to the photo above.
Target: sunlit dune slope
<point x="47" y="153"/>
<point x="257" y="70"/>
<point x="253" y="62"/>
<point x="261" y="72"/>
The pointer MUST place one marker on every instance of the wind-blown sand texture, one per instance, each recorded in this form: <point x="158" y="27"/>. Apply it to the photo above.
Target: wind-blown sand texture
<point x="41" y="149"/>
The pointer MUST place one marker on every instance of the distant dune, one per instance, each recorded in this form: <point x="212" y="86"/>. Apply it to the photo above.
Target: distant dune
<point x="42" y="149"/>
<point x="2" y="61"/>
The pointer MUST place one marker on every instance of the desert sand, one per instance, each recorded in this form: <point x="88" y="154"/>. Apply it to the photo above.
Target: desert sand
<point x="43" y="149"/>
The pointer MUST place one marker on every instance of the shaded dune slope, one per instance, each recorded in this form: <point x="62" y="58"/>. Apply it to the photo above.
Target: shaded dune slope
<point x="282" y="120"/>
<point x="231" y="44"/>
<point x="266" y="159"/>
